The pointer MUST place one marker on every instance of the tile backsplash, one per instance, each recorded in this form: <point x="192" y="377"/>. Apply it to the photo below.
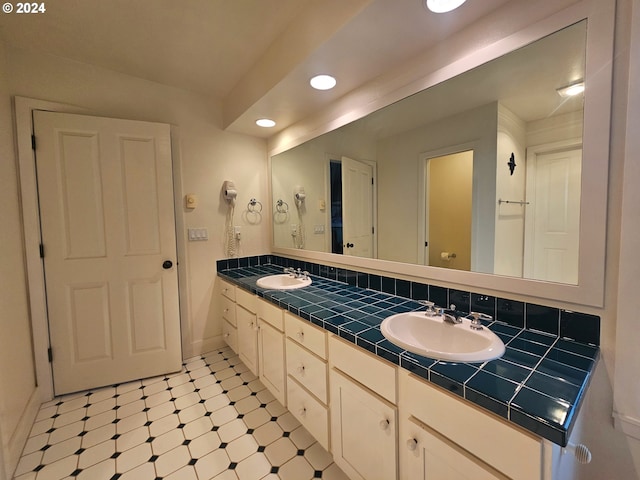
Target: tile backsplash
<point x="576" y="326"/>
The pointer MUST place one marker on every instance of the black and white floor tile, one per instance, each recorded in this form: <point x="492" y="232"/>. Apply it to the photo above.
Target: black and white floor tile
<point x="212" y="420"/>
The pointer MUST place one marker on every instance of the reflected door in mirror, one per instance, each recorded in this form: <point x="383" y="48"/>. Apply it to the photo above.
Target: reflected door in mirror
<point x="449" y="186"/>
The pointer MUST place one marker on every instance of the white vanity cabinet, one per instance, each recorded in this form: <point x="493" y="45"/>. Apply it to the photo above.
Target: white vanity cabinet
<point x="271" y="353"/>
<point x="246" y="319"/>
<point x="364" y="433"/>
<point x="229" y="322"/>
<point x="441" y="436"/>
<point x="307" y="378"/>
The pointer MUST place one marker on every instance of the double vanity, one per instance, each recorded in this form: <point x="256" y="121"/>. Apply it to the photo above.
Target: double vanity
<point x="491" y="400"/>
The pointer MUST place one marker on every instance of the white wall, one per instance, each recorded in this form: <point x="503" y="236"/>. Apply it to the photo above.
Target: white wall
<point x="306" y="165"/>
<point x="398" y="171"/>
<point x="509" y="239"/>
<point x="17" y="379"/>
<point x="207" y="157"/>
<point x="627" y="386"/>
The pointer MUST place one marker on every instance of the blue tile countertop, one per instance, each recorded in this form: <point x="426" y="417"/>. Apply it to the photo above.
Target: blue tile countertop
<point x="538" y="384"/>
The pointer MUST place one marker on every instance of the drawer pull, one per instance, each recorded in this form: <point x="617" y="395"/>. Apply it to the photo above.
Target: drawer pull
<point x="384" y="424"/>
<point x="412" y="444"/>
<point x="226" y="335"/>
<point x="300" y="336"/>
<point x="301" y="369"/>
<point x="303" y="412"/>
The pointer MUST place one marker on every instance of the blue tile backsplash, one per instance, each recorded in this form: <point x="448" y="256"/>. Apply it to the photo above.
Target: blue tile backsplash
<point x="539" y="382"/>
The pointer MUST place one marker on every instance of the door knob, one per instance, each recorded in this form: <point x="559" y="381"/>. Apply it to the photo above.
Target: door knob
<point x="167" y="264"/>
<point x="349" y="245"/>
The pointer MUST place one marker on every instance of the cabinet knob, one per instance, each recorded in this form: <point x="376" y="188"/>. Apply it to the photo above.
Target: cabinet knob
<point x="412" y="444"/>
<point x="226" y="335"/>
<point x="303" y="412"/>
<point x="301" y="369"/>
<point x="384" y="424"/>
<point x="300" y="336"/>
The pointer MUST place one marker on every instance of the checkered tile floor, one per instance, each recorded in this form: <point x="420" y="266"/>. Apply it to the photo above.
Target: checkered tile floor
<point x="212" y="420"/>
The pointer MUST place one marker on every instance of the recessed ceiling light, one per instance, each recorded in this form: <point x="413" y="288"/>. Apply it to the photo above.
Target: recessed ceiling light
<point x="571" y="90"/>
<point x="265" y="122"/>
<point x="442" y="6"/>
<point x="323" y="82"/>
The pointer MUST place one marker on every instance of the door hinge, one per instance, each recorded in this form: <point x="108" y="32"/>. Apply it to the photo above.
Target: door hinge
<point x="371" y="178"/>
<point x="373" y="230"/>
<point x="426" y="244"/>
<point x="41" y="250"/>
<point x="33" y="142"/>
<point x="50" y="354"/>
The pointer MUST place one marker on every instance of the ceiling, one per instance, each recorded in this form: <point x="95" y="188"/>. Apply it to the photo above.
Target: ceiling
<point x="253" y="57"/>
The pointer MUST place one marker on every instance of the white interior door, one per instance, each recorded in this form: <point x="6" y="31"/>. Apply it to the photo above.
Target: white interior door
<point x="553" y="216"/>
<point x="108" y="229"/>
<point x="357" y="208"/>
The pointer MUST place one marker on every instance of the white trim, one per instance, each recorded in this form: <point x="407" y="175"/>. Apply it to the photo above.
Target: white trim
<point x="21" y="434"/>
<point x="30" y="215"/>
<point x="630" y="426"/>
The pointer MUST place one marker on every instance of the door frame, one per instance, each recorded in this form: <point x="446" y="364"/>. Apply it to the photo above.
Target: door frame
<point x="24" y="108"/>
<point x="423" y="167"/>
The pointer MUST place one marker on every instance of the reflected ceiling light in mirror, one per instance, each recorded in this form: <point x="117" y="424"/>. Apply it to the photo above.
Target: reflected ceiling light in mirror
<point x="571" y="90"/>
<point x="323" y="82"/>
<point x="265" y="123"/>
<point x="443" y="6"/>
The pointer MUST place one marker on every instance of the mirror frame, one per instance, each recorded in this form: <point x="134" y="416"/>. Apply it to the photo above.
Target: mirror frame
<point x="600" y="15"/>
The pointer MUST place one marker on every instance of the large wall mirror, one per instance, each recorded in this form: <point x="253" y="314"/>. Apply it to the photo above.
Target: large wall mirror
<point x="492" y="172"/>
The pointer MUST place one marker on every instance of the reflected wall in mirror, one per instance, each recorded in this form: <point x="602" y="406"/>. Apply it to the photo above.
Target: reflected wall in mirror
<point x="373" y="189"/>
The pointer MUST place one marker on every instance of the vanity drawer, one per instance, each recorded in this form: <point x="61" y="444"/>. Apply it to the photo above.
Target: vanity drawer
<point x="230" y="335"/>
<point x="271" y="314"/>
<point x="306" y="334"/>
<point x="373" y="373"/>
<point x="228" y="290"/>
<point x="309" y="370"/>
<point x="229" y="310"/>
<point x="312" y="414"/>
<point x="246" y="299"/>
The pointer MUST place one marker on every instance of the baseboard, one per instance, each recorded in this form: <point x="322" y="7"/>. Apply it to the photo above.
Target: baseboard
<point x="204" y="346"/>
<point x="630" y="426"/>
<point x="20" y="436"/>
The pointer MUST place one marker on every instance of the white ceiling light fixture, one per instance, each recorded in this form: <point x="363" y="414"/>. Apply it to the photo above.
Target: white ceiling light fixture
<point x="323" y="82"/>
<point x="443" y="6"/>
<point x="571" y="90"/>
<point x="265" y="123"/>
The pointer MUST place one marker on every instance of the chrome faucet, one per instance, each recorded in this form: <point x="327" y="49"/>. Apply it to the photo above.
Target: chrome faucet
<point x="475" y="320"/>
<point x="297" y="273"/>
<point x="431" y="310"/>
<point x="449" y="317"/>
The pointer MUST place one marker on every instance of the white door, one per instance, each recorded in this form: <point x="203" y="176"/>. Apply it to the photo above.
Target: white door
<point x="108" y="230"/>
<point x="357" y="208"/>
<point x="553" y="216"/>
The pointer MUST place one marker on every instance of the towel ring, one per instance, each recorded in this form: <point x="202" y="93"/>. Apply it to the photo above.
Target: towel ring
<point x="282" y="206"/>
<point x="251" y="207"/>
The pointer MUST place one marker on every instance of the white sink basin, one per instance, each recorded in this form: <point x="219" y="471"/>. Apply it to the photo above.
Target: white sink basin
<point x="431" y="336"/>
<point x="283" y="281"/>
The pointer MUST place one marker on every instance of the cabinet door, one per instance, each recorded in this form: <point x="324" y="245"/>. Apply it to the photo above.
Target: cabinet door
<point x="272" y="365"/>
<point x="247" y="338"/>
<point x="425" y="454"/>
<point x="363" y="431"/>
